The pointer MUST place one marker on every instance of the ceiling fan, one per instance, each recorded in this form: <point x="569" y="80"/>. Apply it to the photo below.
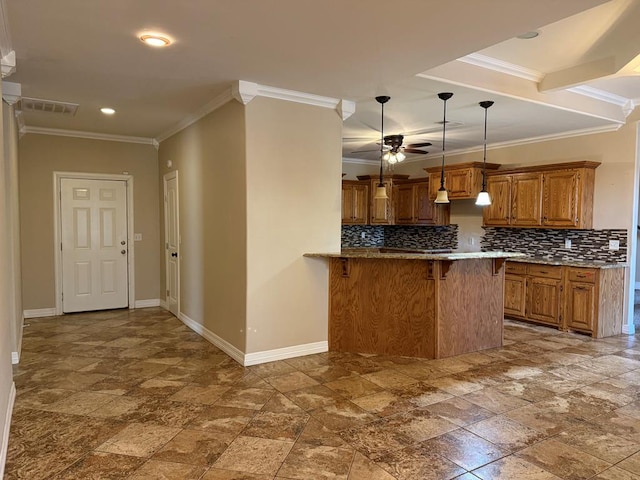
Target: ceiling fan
<point x="393" y="147"/>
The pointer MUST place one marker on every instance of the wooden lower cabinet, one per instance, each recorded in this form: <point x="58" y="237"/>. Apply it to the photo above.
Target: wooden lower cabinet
<point x="587" y="300"/>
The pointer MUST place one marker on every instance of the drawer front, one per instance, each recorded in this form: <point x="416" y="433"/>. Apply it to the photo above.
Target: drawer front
<point x="546" y="271"/>
<point x="515" y="268"/>
<point x="586" y="275"/>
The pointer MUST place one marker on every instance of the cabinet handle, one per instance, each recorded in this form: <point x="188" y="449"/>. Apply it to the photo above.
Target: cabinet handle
<point x="580" y="275"/>
<point x="544" y="272"/>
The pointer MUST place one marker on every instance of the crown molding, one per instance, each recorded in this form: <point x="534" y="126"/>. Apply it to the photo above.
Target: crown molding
<point x="59" y="132"/>
<point x="11" y="92"/>
<point x="360" y="161"/>
<point x="599" y="95"/>
<point x="244" y="92"/>
<point x="522" y="141"/>
<point x="217" y="102"/>
<point x="496" y="65"/>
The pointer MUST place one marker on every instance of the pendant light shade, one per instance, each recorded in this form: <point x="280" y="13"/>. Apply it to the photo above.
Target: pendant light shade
<point x="442" y="196"/>
<point x="381" y="190"/>
<point x="484" y="199"/>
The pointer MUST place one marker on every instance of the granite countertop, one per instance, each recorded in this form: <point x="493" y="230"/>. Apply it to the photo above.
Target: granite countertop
<point x="568" y="263"/>
<point x="375" y="253"/>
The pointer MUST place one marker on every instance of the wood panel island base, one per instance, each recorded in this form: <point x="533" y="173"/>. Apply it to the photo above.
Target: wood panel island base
<point x="430" y="306"/>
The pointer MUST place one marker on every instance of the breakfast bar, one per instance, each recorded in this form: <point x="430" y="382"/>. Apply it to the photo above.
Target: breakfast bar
<point x="431" y="305"/>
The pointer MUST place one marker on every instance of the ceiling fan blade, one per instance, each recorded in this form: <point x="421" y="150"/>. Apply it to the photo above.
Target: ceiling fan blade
<point x="419" y="145"/>
<point x="413" y="150"/>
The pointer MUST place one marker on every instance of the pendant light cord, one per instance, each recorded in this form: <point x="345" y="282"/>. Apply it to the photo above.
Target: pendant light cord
<point x="381" y="184"/>
<point x="444" y="128"/>
<point x="484" y="153"/>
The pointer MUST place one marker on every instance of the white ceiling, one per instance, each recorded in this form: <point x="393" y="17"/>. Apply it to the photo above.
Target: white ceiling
<point x="88" y="53"/>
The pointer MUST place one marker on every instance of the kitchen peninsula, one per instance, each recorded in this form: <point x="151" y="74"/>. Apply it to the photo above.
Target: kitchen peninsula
<point x="430" y="305"/>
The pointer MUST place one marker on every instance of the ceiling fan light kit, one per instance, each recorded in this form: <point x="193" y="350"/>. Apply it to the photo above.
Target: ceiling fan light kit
<point x="442" y="196"/>
<point x="381" y="190"/>
<point x="484" y="199"/>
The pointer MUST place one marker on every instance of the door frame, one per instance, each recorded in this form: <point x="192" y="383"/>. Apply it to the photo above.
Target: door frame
<point x="57" y="230"/>
<point x="165" y="177"/>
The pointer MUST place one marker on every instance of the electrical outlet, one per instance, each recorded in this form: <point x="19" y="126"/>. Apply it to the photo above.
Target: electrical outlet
<point x="614" y="244"/>
<point x="567" y="243"/>
<point x="137" y="237"/>
<point x="363" y="235"/>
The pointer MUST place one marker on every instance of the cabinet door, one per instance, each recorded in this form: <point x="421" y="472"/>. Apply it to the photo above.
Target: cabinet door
<point x="381" y="212"/>
<point x="360" y="204"/>
<point x="543" y="300"/>
<point x="581" y="306"/>
<point x="347" y="203"/>
<point x="425" y="209"/>
<point x="514" y="295"/>
<point x="404" y="197"/>
<point x="526" y="199"/>
<point x="458" y="183"/>
<point x="560" y="199"/>
<point x="499" y="212"/>
<point x="434" y="184"/>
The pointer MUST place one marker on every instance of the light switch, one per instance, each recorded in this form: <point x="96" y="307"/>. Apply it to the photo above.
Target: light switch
<point x="137" y="237"/>
<point x="614" y="244"/>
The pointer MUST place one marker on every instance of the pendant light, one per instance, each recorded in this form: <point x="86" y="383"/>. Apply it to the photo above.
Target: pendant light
<point x="484" y="199"/>
<point x="442" y="196"/>
<point x="381" y="190"/>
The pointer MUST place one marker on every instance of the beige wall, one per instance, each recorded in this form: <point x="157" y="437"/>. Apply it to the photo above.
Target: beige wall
<point x="293" y="207"/>
<point x="210" y="159"/>
<point x="39" y="157"/>
<point x="6" y="315"/>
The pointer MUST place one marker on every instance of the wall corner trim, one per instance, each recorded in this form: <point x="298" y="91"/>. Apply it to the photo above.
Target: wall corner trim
<point x="40" y="312"/>
<point x="152" y="302"/>
<point x="346" y="108"/>
<point x="244" y="91"/>
<point x="284" y="353"/>
<point x="15" y="358"/>
<point x="4" y="446"/>
<point x="219" y="342"/>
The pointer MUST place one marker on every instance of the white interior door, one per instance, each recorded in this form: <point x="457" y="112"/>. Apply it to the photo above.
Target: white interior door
<point x="93" y="215"/>
<point x="172" y="242"/>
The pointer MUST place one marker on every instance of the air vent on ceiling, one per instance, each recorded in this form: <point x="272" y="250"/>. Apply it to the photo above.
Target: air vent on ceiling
<point x="48" y="106"/>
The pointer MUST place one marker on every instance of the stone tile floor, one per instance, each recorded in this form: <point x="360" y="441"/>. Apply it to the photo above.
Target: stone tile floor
<point x="137" y="395"/>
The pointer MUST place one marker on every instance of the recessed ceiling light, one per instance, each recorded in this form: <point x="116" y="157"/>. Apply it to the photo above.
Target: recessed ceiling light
<point x="107" y="110"/>
<point x="528" y="35"/>
<point x="155" y="40"/>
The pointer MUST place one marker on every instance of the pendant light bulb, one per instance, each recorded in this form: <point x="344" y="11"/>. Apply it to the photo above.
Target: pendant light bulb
<point x="484" y="199"/>
<point x="442" y="196"/>
<point x="381" y="190"/>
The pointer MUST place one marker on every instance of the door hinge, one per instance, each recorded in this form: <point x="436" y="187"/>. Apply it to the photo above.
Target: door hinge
<point x="167" y="293"/>
<point x="60" y="246"/>
<point x="166" y="245"/>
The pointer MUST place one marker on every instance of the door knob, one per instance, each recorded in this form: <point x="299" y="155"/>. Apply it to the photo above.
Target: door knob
<point x="174" y="254"/>
<point x="123" y="251"/>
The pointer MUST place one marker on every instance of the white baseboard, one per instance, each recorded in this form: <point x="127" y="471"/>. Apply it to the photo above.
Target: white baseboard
<point x="40" y="312"/>
<point x="163" y="304"/>
<point x="152" y="302"/>
<point x="219" y="342"/>
<point x="628" y="328"/>
<point x="4" y="447"/>
<point x="284" y="353"/>
<point x="257" y="357"/>
<point x="15" y="358"/>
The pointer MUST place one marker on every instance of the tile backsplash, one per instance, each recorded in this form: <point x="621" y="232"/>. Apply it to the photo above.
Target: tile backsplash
<point x="400" y="236"/>
<point x="586" y="245"/>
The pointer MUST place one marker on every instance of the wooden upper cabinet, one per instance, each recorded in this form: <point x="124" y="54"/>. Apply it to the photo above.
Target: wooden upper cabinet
<point x="499" y="212"/>
<point x="413" y="204"/>
<point x="355" y="203"/>
<point x="550" y="196"/>
<point x="526" y="199"/>
<point x="381" y="211"/>
<point x="462" y="180"/>
<point x="561" y="199"/>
